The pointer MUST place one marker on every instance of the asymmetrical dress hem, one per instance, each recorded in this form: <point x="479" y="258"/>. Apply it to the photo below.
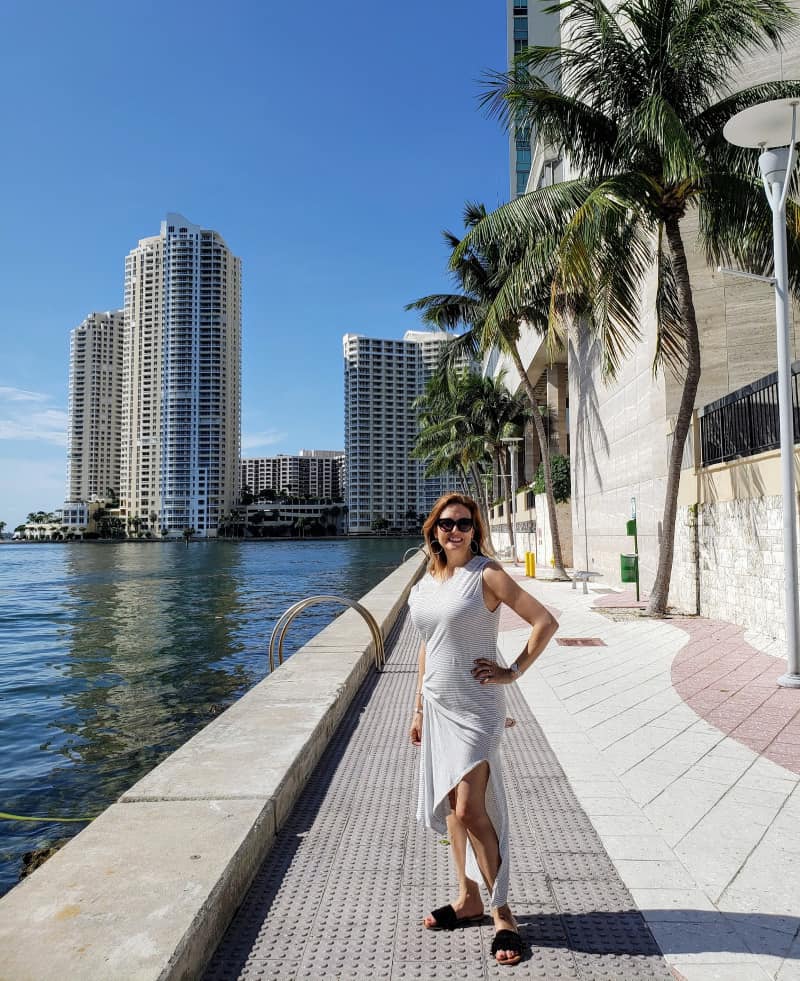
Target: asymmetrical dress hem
<point x="463" y="721"/>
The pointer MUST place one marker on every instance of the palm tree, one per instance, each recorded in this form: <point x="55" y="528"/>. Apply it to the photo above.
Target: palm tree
<point x="379" y="523"/>
<point x="187" y="535"/>
<point x="499" y="415"/>
<point x="637" y="110"/>
<point x="445" y="439"/>
<point x="465" y="419"/>
<point x="480" y="271"/>
<point x="2" y="527"/>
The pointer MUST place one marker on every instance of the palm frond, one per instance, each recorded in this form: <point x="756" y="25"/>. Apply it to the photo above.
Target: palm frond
<point x="708" y="124"/>
<point x="710" y="37"/>
<point x="447" y="311"/>
<point x="736" y="227"/>
<point x="538" y="214"/>
<point x="530" y="104"/>
<point x="655" y="129"/>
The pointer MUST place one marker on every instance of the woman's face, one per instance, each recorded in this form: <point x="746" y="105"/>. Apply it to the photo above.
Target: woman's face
<point x="456" y="543"/>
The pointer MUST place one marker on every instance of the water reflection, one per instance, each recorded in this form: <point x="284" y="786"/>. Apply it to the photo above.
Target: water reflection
<point x="112" y="656"/>
<point x="150" y="643"/>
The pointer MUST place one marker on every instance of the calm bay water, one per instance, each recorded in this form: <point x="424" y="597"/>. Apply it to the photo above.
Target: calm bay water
<point x="111" y="656"/>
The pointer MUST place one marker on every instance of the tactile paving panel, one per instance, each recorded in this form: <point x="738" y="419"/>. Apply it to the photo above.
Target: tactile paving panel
<point x="344" y="889"/>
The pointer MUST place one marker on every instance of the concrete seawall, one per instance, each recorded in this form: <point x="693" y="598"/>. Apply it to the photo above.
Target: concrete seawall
<point x="146" y="891"/>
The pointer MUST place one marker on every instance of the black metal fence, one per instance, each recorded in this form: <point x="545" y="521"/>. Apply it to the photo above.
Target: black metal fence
<point x="746" y="421"/>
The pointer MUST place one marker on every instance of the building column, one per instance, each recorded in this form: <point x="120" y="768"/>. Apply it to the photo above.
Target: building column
<point x="557" y="407"/>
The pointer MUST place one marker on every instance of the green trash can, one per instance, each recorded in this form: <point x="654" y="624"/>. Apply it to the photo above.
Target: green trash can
<point x="628" y="568"/>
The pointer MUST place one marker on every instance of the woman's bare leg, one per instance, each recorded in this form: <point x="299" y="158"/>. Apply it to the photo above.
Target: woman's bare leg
<point x="471" y="811"/>
<point x="469" y="902"/>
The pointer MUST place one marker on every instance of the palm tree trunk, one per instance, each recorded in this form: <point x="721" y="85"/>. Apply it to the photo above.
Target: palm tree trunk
<point x="481" y="494"/>
<point x="544" y="446"/>
<point x="657" y="605"/>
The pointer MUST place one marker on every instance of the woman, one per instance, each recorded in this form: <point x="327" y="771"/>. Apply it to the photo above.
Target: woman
<point x="459" y="713"/>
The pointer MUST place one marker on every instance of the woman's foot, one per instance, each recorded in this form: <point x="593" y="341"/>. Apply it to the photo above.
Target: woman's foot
<point x="504" y="920"/>
<point x="469" y="907"/>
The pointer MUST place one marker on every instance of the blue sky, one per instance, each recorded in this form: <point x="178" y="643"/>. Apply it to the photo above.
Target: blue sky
<point x="328" y="143"/>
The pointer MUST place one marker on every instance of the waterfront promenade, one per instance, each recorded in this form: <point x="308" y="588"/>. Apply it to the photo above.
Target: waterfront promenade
<point x="343" y="891"/>
<point x="647" y="842"/>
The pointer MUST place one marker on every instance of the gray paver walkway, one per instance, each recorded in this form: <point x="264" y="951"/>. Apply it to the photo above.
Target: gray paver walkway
<point x="343" y="891"/>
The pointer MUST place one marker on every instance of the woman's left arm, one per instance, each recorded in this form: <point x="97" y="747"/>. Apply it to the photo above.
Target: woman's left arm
<point x="499" y="587"/>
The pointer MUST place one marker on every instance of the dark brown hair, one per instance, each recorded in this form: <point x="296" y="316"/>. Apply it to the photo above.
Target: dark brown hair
<point x="437" y="560"/>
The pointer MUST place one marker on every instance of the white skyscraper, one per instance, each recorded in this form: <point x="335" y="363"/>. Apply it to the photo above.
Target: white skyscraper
<point x="381" y="380"/>
<point x="95" y="406"/>
<point x="182" y="385"/>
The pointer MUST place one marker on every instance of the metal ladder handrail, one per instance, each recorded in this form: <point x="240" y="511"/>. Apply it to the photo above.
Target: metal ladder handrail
<point x="414" y="548"/>
<point x="288" y="615"/>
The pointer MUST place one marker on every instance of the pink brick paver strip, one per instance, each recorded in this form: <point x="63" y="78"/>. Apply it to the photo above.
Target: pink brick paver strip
<point x="626" y="600"/>
<point x="733" y="686"/>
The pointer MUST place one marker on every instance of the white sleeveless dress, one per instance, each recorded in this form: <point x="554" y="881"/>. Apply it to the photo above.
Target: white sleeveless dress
<point x="463" y="721"/>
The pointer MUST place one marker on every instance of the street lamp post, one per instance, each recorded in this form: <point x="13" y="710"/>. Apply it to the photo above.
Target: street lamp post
<point x="766" y="127"/>
<point x="514" y="441"/>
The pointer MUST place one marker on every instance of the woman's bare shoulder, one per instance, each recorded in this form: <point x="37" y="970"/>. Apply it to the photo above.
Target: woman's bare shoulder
<point x="491" y="565"/>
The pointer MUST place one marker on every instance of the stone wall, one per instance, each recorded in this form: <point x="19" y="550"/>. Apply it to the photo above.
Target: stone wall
<point x="739" y="545"/>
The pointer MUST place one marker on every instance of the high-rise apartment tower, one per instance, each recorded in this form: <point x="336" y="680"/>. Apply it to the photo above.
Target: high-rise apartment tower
<point x="95" y="406"/>
<point x="182" y="379"/>
<point x="531" y="165"/>
<point x="381" y="380"/>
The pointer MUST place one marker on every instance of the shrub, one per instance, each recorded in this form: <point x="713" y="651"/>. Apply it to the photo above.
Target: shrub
<point x="559" y="467"/>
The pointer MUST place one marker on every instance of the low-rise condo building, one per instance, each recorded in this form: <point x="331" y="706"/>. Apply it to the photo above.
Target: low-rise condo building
<point x="311" y="473"/>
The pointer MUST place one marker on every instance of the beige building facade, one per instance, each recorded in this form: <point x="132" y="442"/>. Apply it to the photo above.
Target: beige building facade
<point x="95" y="406"/>
<point x="182" y="379"/>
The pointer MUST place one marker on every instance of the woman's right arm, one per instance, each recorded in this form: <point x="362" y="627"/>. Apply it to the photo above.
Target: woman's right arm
<point x="416" y="722"/>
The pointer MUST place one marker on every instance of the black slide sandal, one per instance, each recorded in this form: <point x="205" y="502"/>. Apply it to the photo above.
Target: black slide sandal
<point x="507" y="940"/>
<point x="446" y="919"/>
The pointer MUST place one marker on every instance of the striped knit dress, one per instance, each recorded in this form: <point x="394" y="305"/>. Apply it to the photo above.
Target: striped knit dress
<point x="463" y="721"/>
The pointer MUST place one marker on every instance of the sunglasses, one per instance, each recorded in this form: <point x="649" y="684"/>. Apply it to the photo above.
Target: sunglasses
<point x="448" y="524"/>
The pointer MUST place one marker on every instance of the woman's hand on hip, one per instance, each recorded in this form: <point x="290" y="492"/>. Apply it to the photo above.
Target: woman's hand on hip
<point x="416" y="729"/>
<point x="489" y="672"/>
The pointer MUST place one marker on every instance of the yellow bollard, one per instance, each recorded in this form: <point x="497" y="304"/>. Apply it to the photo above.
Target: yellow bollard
<point x="530" y="564"/>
